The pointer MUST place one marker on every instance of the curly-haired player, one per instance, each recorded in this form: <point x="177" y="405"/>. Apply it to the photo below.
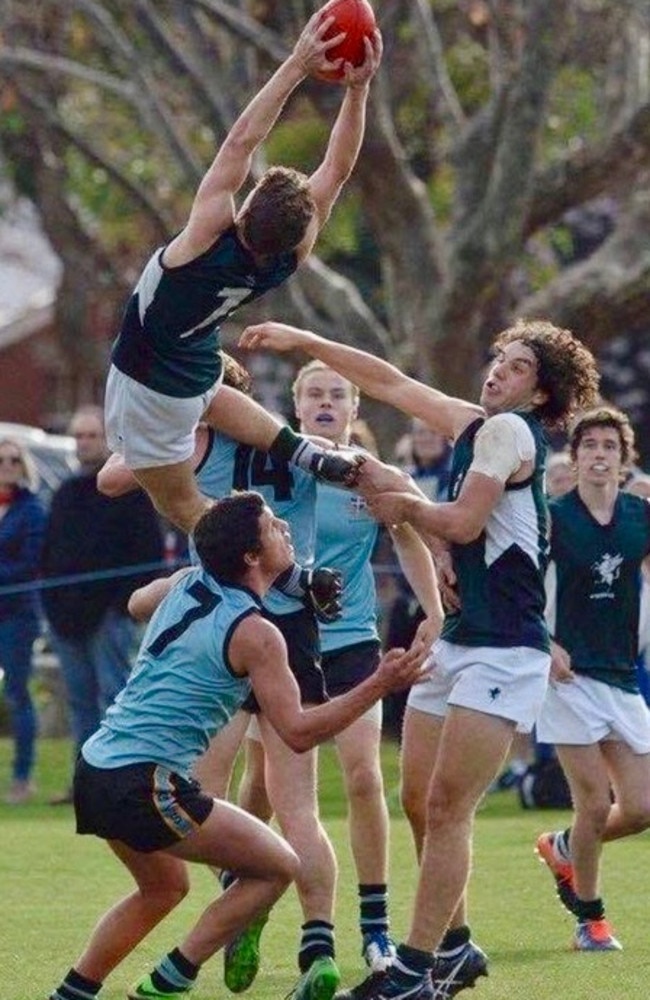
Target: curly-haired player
<point x="492" y="660"/>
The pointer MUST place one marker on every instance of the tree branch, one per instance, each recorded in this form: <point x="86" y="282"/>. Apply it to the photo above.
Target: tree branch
<point x="245" y="28"/>
<point x="48" y="63"/>
<point x="163" y="223"/>
<point x="608" y="293"/>
<point x="588" y="172"/>
<point x="148" y="100"/>
<point x="429" y="37"/>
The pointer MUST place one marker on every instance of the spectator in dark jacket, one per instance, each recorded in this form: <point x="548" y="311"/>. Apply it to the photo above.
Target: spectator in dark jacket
<point x="21" y="533"/>
<point x="90" y="534"/>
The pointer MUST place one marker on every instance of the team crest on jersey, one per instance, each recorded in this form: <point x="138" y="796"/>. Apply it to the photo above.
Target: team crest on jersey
<point x="357" y="507"/>
<point x="606" y="571"/>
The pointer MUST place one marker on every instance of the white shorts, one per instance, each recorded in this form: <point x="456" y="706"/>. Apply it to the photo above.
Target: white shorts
<point x="509" y="682"/>
<point x="586" y="711"/>
<point x="148" y="428"/>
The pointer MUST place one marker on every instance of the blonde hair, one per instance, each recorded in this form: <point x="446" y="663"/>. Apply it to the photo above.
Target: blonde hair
<point x="319" y="366"/>
<point x="30" y="477"/>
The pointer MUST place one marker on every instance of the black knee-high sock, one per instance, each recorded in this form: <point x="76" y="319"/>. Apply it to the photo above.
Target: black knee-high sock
<point x="76" y="987"/>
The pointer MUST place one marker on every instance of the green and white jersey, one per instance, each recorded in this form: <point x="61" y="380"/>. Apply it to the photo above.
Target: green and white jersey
<point x="598" y="582"/>
<point x="169" y="339"/>
<point x="501" y="574"/>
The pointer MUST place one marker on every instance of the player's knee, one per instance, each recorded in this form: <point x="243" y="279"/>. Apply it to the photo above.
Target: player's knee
<point x="167" y="895"/>
<point x="364" y="781"/>
<point x="414" y="805"/>
<point x="444" y="806"/>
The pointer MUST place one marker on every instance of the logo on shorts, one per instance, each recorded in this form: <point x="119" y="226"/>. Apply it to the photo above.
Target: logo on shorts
<point x="494" y="693"/>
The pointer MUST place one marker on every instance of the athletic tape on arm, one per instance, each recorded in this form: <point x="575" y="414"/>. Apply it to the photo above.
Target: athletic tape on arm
<point x="501" y="445"/>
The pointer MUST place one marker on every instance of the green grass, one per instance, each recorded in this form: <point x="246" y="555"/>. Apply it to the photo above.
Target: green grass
<point x="54" y="885"/>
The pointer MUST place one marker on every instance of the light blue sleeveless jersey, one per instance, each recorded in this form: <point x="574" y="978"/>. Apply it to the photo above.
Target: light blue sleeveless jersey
<point x="181" y="690"/>
<point x="289" y="491"/>
<point x="346" y="535"/>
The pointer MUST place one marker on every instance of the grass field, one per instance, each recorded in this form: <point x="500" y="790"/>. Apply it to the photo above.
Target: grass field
<point x="54" y="885"/>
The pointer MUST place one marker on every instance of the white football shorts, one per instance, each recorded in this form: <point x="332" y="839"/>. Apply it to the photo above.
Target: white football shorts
<point x="148" y="428"/>
<point x="509" y="682"/>
<point x="585" y="711"/>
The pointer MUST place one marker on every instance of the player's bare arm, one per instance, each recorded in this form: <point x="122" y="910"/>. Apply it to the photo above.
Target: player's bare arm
<point x="460" y="521"/>
<point x="144" y="601"/>
<point x="374" y="377"/>
<point x="417" y="565"/>
<point x="447" y="579"/>
<point x="378" y="477"/>
<point x="213" y="209"/>
<point x="504" y="451"/>
<point x="561" y="671"/>
<point x="114" y="479"/>
<point x="258" y="650"/>
<point x="345" y="140"/>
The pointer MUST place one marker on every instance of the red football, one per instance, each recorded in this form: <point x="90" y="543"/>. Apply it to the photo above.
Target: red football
<point x="356" y="18"/>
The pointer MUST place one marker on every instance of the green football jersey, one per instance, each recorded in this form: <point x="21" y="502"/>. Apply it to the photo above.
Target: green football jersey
<point x="501" y="574"/>
<point x="598" y="585"/>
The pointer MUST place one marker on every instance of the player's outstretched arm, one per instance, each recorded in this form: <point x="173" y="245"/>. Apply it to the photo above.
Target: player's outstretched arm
<point x="419" y="569"/>
<point x="213" y="209"/>
<point x="373" y="376"/>
<point x="258" y="649"/>
<point x="345" y="139"/>
<point x="460" y="521"/>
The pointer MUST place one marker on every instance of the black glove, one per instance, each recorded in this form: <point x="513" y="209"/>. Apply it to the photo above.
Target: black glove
<point x="333" y="467"/>
<point x="323" y="592"/>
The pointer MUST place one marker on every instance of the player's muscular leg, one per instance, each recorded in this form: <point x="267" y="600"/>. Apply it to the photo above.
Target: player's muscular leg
<point x="241" y="418"/>
<point x="291" y="784"/>
<point x="263" y="862"/>
<point x="458" y="783"/>
<point x="214" y="768"/>
<point x="161" y="884"/>
<point x="358" y="750"/>
<point x="174" y="493"/>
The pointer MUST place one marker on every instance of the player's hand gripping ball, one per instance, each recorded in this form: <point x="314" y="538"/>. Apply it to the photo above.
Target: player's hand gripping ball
<point x="356" y="18"/>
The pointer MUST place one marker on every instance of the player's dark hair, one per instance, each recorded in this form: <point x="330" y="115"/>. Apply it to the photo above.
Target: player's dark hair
<point x="566" y="369"/>
<point x="227" y="532"/>
<point x="605" y="416"/>
<point x="279" y="212"/>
